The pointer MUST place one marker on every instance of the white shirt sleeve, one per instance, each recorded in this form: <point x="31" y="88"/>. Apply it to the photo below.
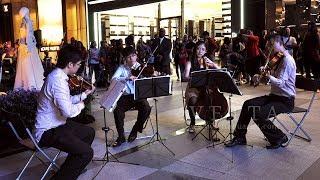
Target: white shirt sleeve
<point x="282" y="75"/>
<point x="119" y="74"/>
<point x="64" y="102"/>
<point x="77" y="98"/>
<point x="293" y="40"/>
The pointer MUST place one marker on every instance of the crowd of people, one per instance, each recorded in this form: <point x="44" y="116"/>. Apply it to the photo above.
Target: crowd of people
<point x="244" y="54"/>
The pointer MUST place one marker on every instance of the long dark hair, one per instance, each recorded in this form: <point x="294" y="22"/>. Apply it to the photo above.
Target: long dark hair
<point x="194" y="61"/>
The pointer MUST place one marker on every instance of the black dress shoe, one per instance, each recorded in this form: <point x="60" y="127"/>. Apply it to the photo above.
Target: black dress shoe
<point x="132" y="136"/>
<point x="278" y="144"/>
<point x="236" y="141"/>
<point x="119" y="141"/>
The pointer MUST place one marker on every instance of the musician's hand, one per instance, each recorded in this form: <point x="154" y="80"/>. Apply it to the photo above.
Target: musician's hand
<point x="90" y="91"/>
<point x="262" y="69"/>
<point x="132" y="78"/>
<point x="209" y="62"/>
<point x="156" y="73"/>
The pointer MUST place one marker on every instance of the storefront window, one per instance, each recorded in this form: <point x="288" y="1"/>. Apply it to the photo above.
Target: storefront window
<point x="142" y="21"/>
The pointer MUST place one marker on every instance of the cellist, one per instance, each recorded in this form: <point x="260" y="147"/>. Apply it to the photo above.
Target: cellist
<point x="198" y="62"/>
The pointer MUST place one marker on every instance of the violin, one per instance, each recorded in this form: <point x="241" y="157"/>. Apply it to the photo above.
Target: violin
<point x="271" y="64"/>
<point x="274" y="60"/>
<point x="144" y="70"/>
<point x="78" y="83"/>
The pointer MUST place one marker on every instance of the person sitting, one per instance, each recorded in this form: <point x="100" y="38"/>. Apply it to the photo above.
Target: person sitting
<point x="280" y="100"/>
<point x="55" y="105"/>
<point x="126" y="101"/>
<point x="198" y="62"/>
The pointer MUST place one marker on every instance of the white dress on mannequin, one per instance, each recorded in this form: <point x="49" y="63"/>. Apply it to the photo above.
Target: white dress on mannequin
<point x="29" y="74"/>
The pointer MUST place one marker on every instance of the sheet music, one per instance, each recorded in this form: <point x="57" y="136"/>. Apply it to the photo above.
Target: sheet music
<point x="113" y="94"/>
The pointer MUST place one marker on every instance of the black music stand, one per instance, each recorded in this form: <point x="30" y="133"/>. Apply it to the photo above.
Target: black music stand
<point x="151" y="88"/>
<point x="204" y="78"/>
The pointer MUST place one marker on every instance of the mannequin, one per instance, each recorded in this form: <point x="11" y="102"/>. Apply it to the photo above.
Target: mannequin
<point x="29" y="74"/>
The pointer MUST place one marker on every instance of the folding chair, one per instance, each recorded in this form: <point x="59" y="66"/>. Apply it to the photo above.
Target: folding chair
<point x="32" y="145"/>
<point x="307" y="85"/>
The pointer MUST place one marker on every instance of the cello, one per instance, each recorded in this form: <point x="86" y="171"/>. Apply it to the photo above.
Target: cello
<point x="211" y="103"/>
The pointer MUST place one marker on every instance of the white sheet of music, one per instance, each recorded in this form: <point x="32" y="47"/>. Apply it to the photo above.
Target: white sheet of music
<point x="110" y="98"/>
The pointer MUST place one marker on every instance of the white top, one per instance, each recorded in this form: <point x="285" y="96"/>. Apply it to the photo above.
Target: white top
<point x="283" y="79"/>
<point x="288" y="42"/>
<point x="55" y="104"/>
<point x="122" y="74"/>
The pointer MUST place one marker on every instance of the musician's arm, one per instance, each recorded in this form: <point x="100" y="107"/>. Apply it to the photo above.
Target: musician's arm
<point x="62" y="99"/>
<point x="119" y="74"/>
<point x="286" y="71"/>
<point x="77" y="98"/>
<point x="187" y="70"/>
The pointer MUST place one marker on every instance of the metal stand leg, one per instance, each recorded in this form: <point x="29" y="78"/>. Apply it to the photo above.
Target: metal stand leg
<point x="156" y="136"/>
<point x="106" y="158"/>
<point x="230" y="135"/>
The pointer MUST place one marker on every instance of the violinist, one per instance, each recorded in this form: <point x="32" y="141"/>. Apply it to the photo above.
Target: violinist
<point x="126" y="101"/>
<point x="280" y="100"/>
<point x="198" y="62"/>
<point x="55" y="105"/>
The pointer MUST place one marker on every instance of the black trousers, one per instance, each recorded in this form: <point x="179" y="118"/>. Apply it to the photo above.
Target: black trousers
<point x="252" y="65"/>
<point x="260" y="109"/>
<point x="74" y="139"/>
<point x="125" y="103"/>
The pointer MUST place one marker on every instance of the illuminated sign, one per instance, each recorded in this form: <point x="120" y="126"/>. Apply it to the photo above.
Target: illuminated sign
<point x="50" y="21"/>
<point x="49" y="48"/>
<point x="5" y="8"/>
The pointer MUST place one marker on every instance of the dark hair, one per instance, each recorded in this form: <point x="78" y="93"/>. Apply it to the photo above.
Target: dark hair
<point x="205" y="33"/>
<point x="128" y="50"/>
<point x="93" y="44"/>
<point x="68" y="54"/>
<point x="199" y="43"/>
<point x="194" y="54"/>
<point x="226" y="40"/>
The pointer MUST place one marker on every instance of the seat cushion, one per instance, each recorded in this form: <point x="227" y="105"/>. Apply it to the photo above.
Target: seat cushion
<point x="27" y="143"/>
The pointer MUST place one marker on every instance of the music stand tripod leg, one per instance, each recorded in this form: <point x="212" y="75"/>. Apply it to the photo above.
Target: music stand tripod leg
<point x="106" y="158"/>
<point x="156" y="136"/>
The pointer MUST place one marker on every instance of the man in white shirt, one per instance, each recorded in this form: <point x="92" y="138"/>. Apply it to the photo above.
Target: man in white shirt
<point x="55" y="105"/>
<point x="126" y="101"/>
<point x="280" y="100"/>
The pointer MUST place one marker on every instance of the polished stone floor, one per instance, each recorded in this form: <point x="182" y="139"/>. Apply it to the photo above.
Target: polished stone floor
<point x="193" y="159"/>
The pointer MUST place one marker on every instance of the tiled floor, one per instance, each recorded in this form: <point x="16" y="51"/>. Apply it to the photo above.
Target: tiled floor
<point x="193" y="159"/>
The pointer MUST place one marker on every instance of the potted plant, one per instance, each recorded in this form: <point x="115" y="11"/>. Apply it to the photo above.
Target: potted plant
<point x="22" y="103"/>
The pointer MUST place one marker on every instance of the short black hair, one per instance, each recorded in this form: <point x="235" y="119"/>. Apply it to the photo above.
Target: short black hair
<point x="128" y="50"/>
<point x="68" y="54"/>
<point x="205" y="33"/>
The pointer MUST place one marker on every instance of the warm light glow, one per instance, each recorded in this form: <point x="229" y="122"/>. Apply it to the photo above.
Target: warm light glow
<point x="5" y="8"/>
<point x="99" y="1"/>
<point x="50" y="21"/>
<point x="95" y="27"/>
